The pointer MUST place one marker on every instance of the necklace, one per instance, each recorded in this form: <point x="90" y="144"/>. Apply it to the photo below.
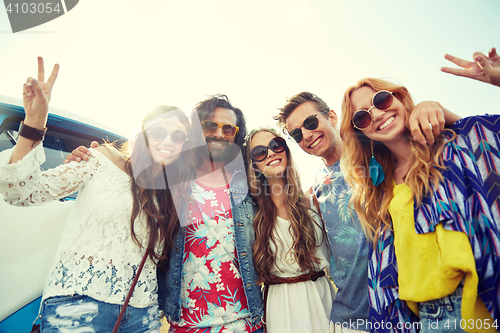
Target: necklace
<point x="290" y="255"/>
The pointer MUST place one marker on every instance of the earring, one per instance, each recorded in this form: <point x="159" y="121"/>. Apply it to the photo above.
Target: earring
<point x="376" y="172"/>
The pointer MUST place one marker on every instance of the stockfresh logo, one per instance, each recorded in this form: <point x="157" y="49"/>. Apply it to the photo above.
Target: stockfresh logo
<point x="26" y="14"/>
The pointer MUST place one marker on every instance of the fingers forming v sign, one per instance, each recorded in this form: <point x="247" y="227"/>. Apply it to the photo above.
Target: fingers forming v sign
<point x="36" y="92"/>
<point x="484" y="68"/>
<point x="469" y="69"/>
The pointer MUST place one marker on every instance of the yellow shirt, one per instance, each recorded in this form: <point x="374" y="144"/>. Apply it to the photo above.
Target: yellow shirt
<point x="431" y="265"/>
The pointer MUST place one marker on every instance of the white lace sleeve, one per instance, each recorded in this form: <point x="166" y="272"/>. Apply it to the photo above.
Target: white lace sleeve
<point x="24" y="184"/>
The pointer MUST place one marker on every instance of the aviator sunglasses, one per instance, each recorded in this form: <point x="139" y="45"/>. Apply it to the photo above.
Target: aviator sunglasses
<point x="210" y="127"/>
<point x="159" y="134"/>
<point x="310" y="123"/>
<point x="382" y="100"/>
<point x="259" y="153"/>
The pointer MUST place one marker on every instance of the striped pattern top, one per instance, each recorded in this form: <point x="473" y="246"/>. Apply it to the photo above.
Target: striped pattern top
<point x="467" y="200"/>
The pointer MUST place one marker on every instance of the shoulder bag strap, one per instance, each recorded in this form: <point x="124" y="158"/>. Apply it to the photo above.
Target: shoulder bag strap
<point x="316" y="203"/>
<point x="122" y="312"/>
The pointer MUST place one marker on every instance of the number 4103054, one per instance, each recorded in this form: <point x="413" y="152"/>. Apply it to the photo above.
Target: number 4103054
<point x="33" y="8"/>
<point x="471" y="324"/>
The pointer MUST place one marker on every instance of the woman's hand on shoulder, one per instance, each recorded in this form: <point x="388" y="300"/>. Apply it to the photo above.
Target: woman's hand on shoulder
<point x="81" y="153"/>
<point x="428" y="119"/>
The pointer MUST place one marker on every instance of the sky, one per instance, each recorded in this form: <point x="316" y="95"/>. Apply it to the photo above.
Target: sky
<point x="121" y="58"/>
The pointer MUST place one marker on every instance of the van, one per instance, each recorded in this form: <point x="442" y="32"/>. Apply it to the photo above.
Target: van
<point x="29" y="236"/>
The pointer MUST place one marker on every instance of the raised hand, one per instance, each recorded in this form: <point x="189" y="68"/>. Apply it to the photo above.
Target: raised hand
<point x="36" y="96"/>
<point x="483" y="68"/>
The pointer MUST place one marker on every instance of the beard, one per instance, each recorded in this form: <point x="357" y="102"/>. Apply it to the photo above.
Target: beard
<point x="225" y="153"/>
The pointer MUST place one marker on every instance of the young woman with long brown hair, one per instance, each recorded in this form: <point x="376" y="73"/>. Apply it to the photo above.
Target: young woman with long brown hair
<point x="430" y="210"/>
<point x="290" y="251"/>
<point x="126" y="208"/>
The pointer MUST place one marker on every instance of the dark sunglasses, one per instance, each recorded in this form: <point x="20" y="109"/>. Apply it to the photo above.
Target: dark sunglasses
<point x="210" y="127"/>
<point x="259" y="153"/>
<point x="159" y="133"/>
<point x="310" y="123"/>
<point x="382" y="100"/>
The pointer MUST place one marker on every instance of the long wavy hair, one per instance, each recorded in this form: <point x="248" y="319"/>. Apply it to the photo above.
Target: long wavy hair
<point x="152" y="194"/>
<point x="372" y="202"/>
<point x="301" y="224"/>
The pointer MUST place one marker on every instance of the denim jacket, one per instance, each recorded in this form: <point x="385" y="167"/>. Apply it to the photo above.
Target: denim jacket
<point x="243" y="210"/>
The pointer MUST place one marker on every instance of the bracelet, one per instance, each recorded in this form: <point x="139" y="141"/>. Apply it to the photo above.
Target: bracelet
<point x="31" y="133"/>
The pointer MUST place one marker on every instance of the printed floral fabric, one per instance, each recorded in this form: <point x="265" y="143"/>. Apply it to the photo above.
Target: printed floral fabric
<point x="96" y="256"/>
<point x="468" y="200"/>
<point x="212" y="294"/>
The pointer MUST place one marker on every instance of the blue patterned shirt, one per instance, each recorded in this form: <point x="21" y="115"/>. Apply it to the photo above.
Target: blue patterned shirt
<point x="349" y="249"/>
<point x="468" y="200"/>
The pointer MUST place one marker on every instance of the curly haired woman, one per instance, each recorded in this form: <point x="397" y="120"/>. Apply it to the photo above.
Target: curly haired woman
<point x="431" y="211"/>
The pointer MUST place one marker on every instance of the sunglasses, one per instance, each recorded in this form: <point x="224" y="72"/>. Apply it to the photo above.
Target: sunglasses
<point x="210" y="127"/>
<point x="382" y="100"/>
<point x="259" y="153"/>
<point x="159" y="134"/>
<point x="310" y="123"/>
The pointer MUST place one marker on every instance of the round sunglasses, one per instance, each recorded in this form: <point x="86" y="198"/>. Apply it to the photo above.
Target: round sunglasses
<point x="228" y="130"/>
<point x="259" y="153"/>
<point x="382" y="100"/>
<point x="310" y="123"/>
<point x="159" y="133"/>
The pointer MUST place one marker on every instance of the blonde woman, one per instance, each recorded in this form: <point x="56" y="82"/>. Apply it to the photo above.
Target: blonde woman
<point x="431" y="212"/>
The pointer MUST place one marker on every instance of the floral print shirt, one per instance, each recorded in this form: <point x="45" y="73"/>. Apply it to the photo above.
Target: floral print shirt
<point x="212" y="294"/>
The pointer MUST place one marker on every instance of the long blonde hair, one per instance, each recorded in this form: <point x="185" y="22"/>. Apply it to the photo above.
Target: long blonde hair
<point x="301" y="222"/>
<point x="372" y="202"/>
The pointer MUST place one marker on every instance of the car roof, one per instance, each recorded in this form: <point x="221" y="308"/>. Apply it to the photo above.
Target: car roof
<point x="62" y="121"/>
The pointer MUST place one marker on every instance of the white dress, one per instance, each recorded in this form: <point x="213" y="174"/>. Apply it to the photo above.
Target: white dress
<point x="96" y="256"/>
<point x="303" y="306"/>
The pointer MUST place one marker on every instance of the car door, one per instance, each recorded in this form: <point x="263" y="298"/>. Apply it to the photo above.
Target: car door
<point x="29" y="236"/>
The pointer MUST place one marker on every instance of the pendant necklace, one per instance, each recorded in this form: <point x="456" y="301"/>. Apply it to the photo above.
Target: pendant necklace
<point x="290" y="255"/>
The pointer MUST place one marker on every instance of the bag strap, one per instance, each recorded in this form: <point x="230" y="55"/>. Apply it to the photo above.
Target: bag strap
<point x="35" y="328"/>
<point x="264" y="318"/>
<point x="316" y="203"/>
<point x="122" y="312"/>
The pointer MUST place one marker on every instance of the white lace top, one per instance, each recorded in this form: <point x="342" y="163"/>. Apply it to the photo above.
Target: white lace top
<point x="96" y="256"/>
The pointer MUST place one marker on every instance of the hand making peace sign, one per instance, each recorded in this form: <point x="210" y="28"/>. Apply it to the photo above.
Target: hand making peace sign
<point x="483" y="68"/>
<point x="36" y="96"/>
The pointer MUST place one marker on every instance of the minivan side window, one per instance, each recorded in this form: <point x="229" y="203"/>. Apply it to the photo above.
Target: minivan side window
<point x="55" y="146"/>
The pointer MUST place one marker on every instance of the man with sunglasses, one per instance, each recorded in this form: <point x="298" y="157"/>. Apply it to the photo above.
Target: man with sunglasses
<point x="313" y="126"/>
<point x="210" y="281"/>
